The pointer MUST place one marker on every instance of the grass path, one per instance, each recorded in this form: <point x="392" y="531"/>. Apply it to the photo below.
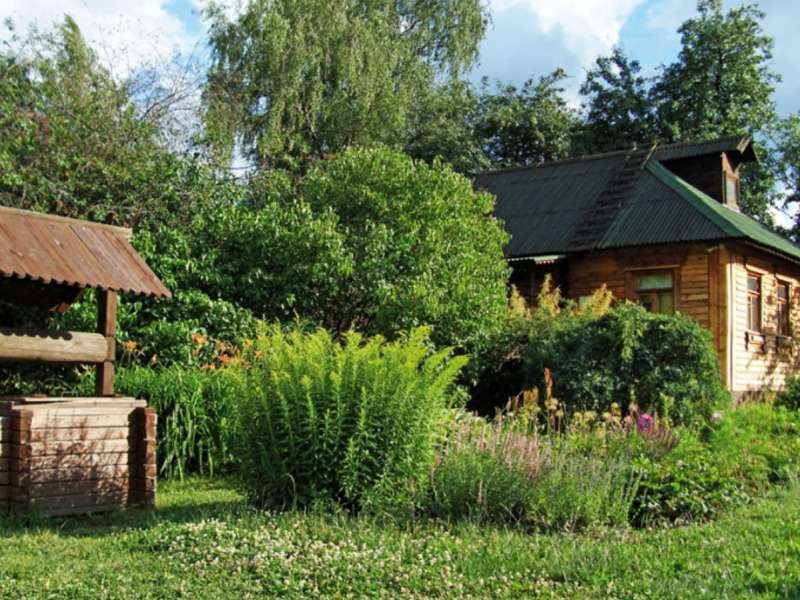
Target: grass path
<point x="202" y="542"/>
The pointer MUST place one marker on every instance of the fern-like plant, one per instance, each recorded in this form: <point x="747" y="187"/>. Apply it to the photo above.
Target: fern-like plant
<point x="352" y="422"/>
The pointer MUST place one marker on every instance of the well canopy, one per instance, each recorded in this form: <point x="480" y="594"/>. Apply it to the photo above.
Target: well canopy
<point x="68" y="252"/>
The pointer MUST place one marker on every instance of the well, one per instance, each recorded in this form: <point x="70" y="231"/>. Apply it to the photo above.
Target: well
<point x="72" y="455"/>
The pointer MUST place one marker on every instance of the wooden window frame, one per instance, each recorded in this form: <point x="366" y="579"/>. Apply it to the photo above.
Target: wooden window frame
<point x="789" y="331"/>
<point x="632" y="277"/>
<point x="735" y="179"/>
<point x="751" y="331"/>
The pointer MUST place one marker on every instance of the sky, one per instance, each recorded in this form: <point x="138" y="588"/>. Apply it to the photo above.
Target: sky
<point x="527" y="38"/>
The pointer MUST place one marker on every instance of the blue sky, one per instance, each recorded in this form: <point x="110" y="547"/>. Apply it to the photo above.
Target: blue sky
<point x="527" y="37"/>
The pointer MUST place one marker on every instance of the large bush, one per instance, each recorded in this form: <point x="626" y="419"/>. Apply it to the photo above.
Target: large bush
<point x="353" y="423"/>
<point x="664" y="363"/>
<point x="424" y="246"/>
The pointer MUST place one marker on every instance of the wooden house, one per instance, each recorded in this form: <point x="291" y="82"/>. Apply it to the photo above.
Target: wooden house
<point x="661" y="226"/>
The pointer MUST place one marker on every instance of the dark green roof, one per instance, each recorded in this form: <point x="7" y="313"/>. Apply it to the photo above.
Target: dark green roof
<point x="734" y="144"/>
<point x="730" y="222"/>
<point x="542" y="206"/>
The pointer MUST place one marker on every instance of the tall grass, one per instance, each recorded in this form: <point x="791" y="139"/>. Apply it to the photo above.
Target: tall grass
<point x="353" y="422"/>
<point x="195" y="415"/>
<point x="506" y="474"/>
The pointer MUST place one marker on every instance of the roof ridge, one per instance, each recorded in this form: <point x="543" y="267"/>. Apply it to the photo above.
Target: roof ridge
<point x="655" y="146"/>
<point x="741" y="137"/>
<point x="126" y="232"/>
<point x="555" y="163"/>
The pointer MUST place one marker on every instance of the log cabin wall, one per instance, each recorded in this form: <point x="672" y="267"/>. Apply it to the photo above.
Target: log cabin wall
<point x="527" y="277"/>
<point x="617" y="269"/>
<point x="698" y="281"/>
<point x="761" y="359"/>
<point x="710" y="285"/>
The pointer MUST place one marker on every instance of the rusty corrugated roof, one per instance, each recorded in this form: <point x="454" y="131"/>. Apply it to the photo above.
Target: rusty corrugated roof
<point x="59" y="250"/>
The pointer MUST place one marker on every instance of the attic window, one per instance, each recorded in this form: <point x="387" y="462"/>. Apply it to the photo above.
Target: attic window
<point x="731" y="190"/>
<point x="655" y="291"/>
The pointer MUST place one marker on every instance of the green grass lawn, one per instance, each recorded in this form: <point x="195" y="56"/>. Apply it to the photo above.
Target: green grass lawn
<point x="203" y="542"/>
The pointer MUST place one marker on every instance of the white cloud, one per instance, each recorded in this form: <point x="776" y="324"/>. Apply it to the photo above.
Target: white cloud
<point x="125" y="33"/>
<point x="589" y="27"/>
<point x="666" y="16"/>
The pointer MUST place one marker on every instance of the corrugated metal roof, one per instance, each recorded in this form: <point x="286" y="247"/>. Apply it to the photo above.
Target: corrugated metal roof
<point x="70" y="252"/>
<point x="542" y="206"/>
<point x="655" y="214"/>
<point x="732" y="223"/>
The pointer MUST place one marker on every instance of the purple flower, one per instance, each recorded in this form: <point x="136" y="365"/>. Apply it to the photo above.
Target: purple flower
<point x="644" y="422"/>
<point x="716" y="417"/>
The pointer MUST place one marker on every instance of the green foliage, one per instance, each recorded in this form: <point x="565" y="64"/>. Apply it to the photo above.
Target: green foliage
<point x="747" y="449"/>
<point x="365" y="240"/>
<point x="507" y="472"/>
<point x="722" y="82"/>
<point x="196" y="415"/>
<point x="483" y="474"/>
<point x="352" y="423"/>
<point x="528" y="126"/>
<point x="690" y="483"/>
<point x="423" y="246"/>
<point x="664" y="363"/>
<point x="303" y="79"/>
<point x="444" y="125"/>
<point x="790" y="396"/>
<point x="617" y="105"/>
<point x="73" y="142"/>
<point x="203" y="542"/>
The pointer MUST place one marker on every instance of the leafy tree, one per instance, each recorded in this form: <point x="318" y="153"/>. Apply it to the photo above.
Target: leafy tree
<point x="370" y="239"/>
<point x="528" y="126"/>
<point x="617" y="108"/>
<point x="72" y="142"/>
<point x="423" y="245"/>
<point x="295" y="79"/>
<point x="722" y="82"/>
<point x="786" y="140"/>
<point x="444" y="126"/>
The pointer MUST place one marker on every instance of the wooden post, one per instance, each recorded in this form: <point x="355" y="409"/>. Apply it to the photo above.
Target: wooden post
<point x="107" y="326"/>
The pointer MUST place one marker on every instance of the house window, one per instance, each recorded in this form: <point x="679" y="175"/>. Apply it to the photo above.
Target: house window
<point x="655" y="291"/>
<point x="731" y="189"/>
<point x="782" y="294"/>
<point x="754" y="302"/>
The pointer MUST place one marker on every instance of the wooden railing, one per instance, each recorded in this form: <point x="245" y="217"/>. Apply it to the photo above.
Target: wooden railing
<point x="28" y="345"/>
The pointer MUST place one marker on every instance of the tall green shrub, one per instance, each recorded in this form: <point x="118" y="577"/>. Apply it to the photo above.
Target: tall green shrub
<point x="664" y="363"/>
<point x="352" y="422"/>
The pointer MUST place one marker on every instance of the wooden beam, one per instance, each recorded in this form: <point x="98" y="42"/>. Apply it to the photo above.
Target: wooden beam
<point x="52" y="346"/>
<point x="107" y="327"/>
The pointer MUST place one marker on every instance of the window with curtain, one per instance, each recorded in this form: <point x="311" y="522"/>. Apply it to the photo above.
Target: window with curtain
<point x="655" y="291"/>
